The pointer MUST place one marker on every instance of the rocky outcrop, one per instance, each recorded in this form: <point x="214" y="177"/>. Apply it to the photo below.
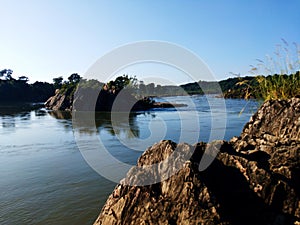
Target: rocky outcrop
<point x="62" y="101"/>
<point x="254" y="178"/>
<point x="65" y="101"/>
<point x="272" y="136"/>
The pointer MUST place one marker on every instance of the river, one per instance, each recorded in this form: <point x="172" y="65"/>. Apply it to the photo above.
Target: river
<point x="46" y="180"/>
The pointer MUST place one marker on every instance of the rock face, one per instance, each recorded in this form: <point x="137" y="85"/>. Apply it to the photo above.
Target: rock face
<point x="272" y="137"/>
<point x="60" y="101"/>
<point x="254" y="179"/>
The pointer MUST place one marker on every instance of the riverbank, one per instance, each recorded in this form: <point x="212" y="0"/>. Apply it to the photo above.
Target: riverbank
<point x="254" y="179"/>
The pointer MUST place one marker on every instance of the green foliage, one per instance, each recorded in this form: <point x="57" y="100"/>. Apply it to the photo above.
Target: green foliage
<point x="239" y="87"/>
<point x="282" y="80"/>
<point x="152" y="90"/>
<point x="285" y="64"/>
<point x="74" y="78"/>
<point x="278" y="86"/>
<point x="213" y="87"/>
<point x="20" y="91"/>
<point x="122" y="82"/>
<point x="23" y="79"/>
<point x="6" y="74"/>
<point x="68" y="88"/>
<point x="192" y="88"/>
<point x="57" y="82"/>
<point x="169" y="90"/>
<point x="92" y="83"/>
<point x="41" y="91"/>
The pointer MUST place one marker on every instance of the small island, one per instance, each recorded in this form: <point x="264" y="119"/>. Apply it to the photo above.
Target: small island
<point x="78" y="92"/>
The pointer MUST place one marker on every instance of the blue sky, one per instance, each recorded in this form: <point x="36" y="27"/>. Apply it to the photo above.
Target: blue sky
<point x="51" y="38"/>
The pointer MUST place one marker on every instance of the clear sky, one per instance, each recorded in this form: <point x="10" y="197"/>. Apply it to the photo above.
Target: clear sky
<point x="44" y="39"/>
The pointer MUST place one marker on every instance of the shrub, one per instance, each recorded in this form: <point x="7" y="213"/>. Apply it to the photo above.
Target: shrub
<point x="285" y="65"/>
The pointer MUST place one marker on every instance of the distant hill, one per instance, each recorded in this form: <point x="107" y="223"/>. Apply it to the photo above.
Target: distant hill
<point x="229" y="87"/>
<point x="262" y="87"/>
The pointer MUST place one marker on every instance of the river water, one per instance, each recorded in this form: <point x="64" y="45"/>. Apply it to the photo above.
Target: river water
<point x="44" y="178"/>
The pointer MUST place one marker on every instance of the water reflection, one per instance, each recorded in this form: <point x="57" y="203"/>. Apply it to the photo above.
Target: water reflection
<point x="18" y="108"/>
<point x="40" y="113"/>
<point x="123" y="124"/>
<point x="8" y="122"/>
<point x="61" y="115"/>
<point x="10" y="114"/>
<point x="10" y="118"/>
<point x="25" y="116"/>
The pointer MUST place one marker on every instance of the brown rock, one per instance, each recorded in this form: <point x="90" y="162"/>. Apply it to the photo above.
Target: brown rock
<point x="254" y="178"/>
<point x="60" y="101"/>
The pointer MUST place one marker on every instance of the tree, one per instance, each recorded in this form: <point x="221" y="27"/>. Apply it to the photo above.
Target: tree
<point x="158" y="89"/>
<point x="150" y="88"/>
<point x="142" y="88"/>
<point x="58" y="82"/>
<point x="23" y="79"/>
<point x="122" y="82"/>
<point x="6" y="73"/>
<point x="74" y="78"/>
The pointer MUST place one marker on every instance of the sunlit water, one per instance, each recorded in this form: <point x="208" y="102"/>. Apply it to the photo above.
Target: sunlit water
<point x="45" y="179"/>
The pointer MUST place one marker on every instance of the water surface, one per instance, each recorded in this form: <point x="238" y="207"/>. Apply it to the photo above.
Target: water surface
<point x="45" y="179"/>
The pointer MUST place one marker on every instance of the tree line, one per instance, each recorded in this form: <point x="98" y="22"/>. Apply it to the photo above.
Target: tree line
<point x="18" y="90"/>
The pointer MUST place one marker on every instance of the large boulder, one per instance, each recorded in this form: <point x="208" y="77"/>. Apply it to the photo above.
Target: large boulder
<point x="62" y="101"/>
<point x="272" y="137"/>
<point x="254" y="178"/>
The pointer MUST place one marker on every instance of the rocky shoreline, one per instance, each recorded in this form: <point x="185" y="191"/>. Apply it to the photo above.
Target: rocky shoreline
<point x="254" y="179"/>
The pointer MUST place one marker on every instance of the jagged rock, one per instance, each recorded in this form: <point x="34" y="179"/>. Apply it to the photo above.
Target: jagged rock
<point x="60" y="101"/>
<point x="275" y="123"/>
<point x="254" y="178"/>
<point x="180" y="199"/>
<point x="274" y="130"/>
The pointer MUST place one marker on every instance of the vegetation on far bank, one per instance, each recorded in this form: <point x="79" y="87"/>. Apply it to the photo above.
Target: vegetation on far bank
<point x="18" y="90"/>
<point x="271" y="87"/>
<point x="256" y="87"/>
<point x="284" y="64"/>
<point x="282" y="82"/>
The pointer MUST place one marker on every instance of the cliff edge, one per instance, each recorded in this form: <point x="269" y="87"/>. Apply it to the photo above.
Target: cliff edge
<point x="254" y="179"/>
